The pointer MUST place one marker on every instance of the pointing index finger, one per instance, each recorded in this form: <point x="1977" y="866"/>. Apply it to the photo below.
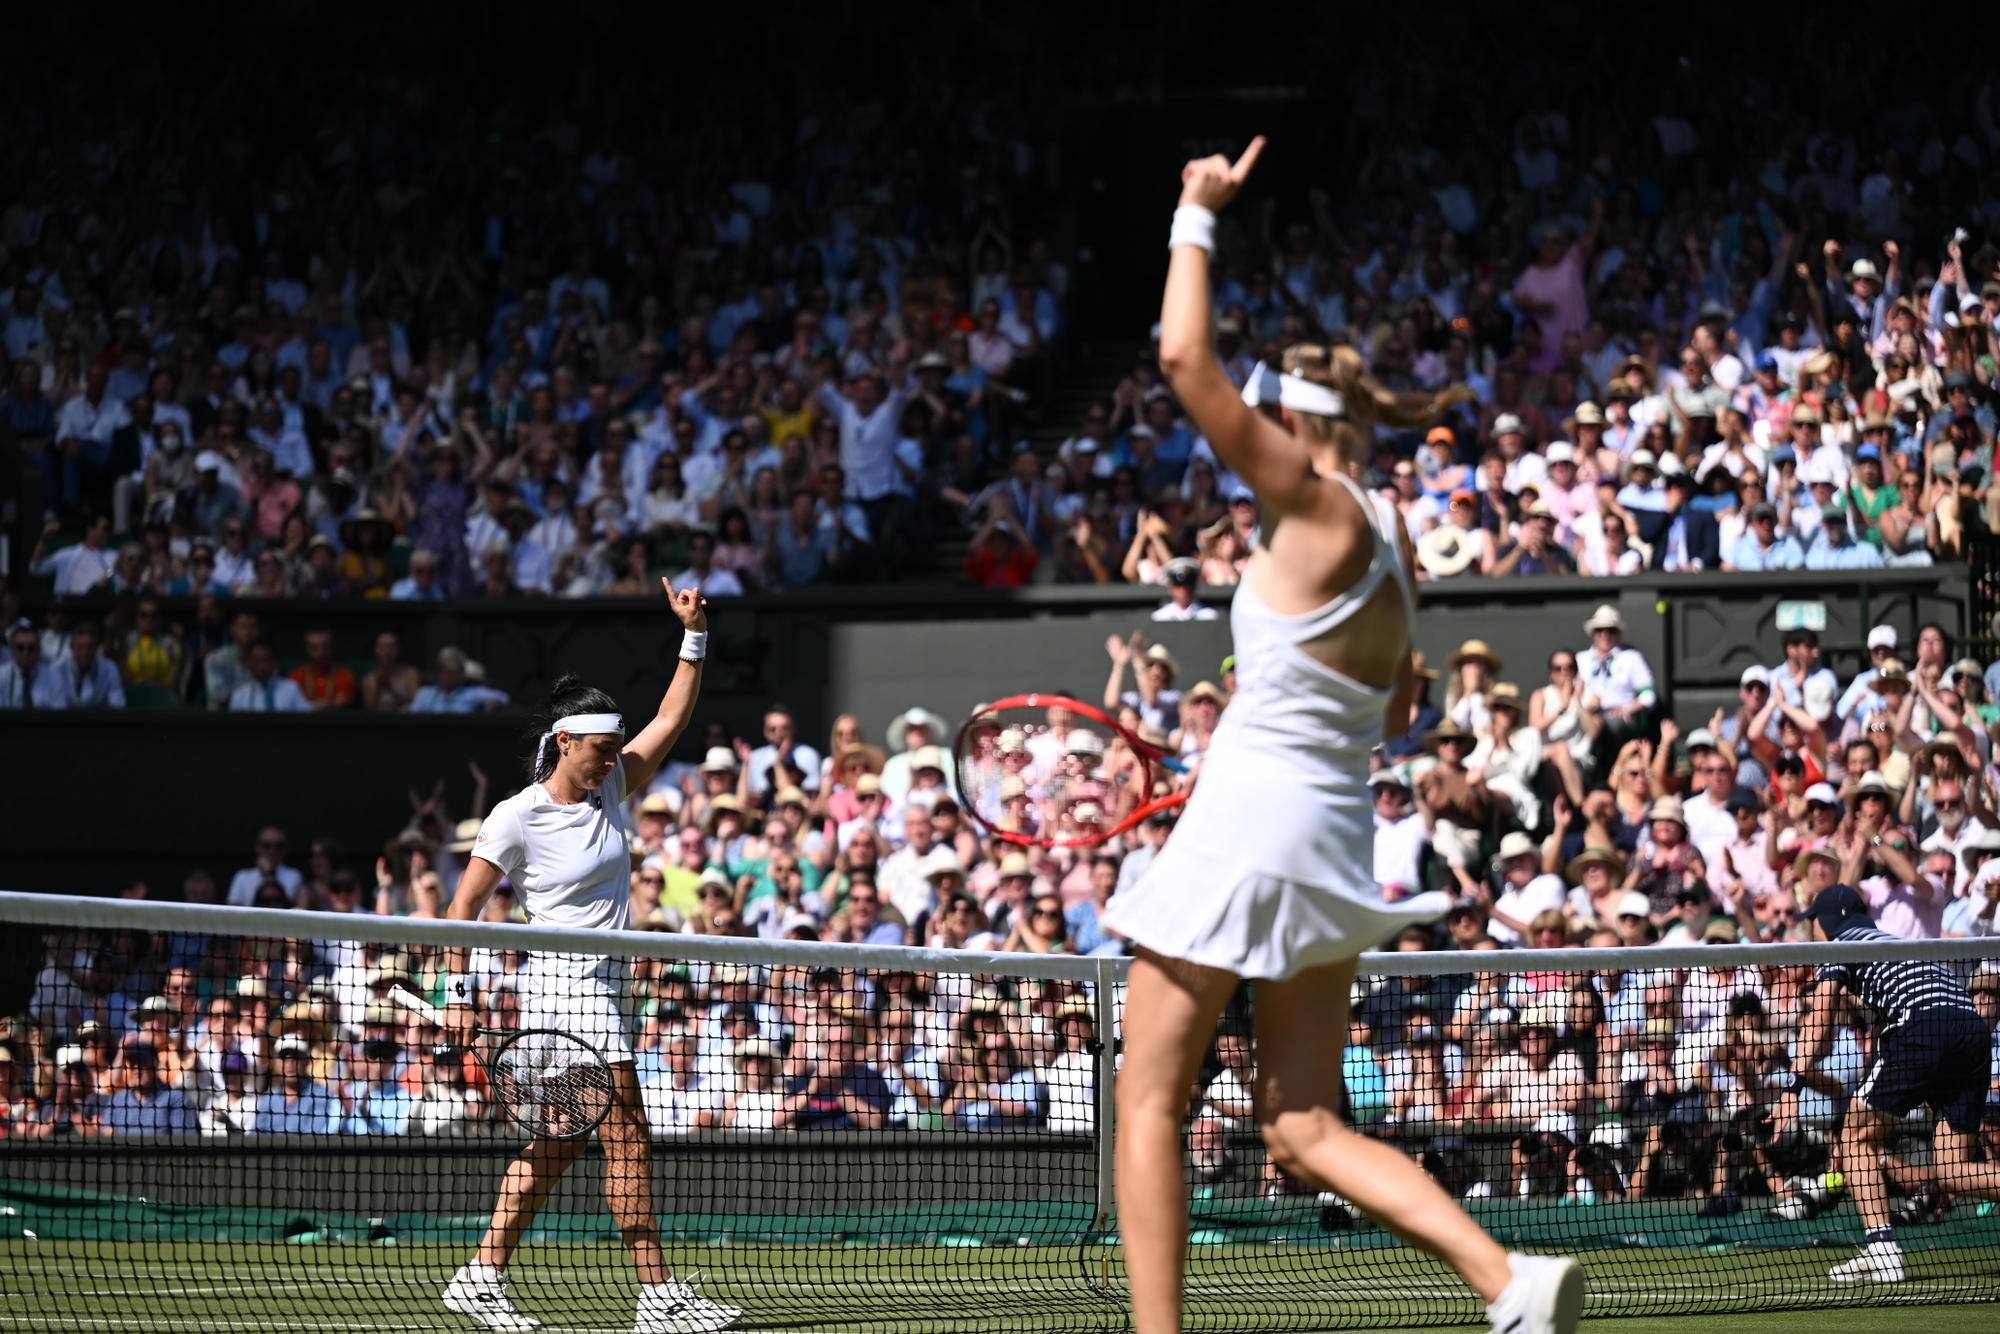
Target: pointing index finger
<point x="1241" y="170"/>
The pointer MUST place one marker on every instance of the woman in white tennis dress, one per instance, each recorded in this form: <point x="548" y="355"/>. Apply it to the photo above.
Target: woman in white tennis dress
<point x="1269" y="873"/>
<point x="562" y="841"/>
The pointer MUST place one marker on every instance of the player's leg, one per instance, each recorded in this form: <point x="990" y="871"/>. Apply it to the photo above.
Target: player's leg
<point x="530" y="1178"/>
<point x="479" y="1288"/>
<point x="628" y="1174"/>
<point x="1171" y="1008"/>
<point x="667" y="1305"/>
<point x="1863" y="1137"/>
<point x="1301" y="1027"/>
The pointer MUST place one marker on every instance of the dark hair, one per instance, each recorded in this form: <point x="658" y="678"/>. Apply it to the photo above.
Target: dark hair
<point x="569" y="695"/>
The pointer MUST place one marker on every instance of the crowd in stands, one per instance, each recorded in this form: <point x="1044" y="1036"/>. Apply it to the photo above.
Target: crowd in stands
<point x="1685" y="345"/>
<point x="1567" y="815"/>
<point x="380" y="350"/>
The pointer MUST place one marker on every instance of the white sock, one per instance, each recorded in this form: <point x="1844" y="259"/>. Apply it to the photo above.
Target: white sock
<point x="480" y="1272"/>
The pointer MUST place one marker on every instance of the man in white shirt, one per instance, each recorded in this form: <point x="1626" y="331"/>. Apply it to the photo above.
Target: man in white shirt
<point x="1181" y="575"/>
<point x="1801" y="669"/>
<point x="870" y="416"/>
<point x="701" y="572"/>
<point x="1616" y="675"/>
<point x="1400" y="837"/>
<point x="1710" y="826"/>
<point x="80" y="568"/>
<point x="264" y="690"/>
<point x="269" y="864"/>
<point x="88" y="421"/>
<point x="905" y="875"/>
<point x="25" y="682"/>
<point x="88" y="679"/>
<point x="1881" y="648"/>
<point x="1525" y="890"/>
<point x="783" y="760"/>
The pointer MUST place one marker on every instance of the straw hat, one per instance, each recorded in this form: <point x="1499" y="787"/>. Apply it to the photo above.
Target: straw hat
<point x="1605" y="617"/>
<point x="1518" y="844"/>
<point x="871" y="758"/>
<point x="1505" y="695"/>
<point x="464" y="834"/>
<point x="719" y="760"/>
<point x="1475" y="648"/>
<point x="1420" y="668"/>
<point x="1667" y="808"/>
<point x="1157" y="653"/>
<point x="1013" y="864"/>
<point x="1590" y="857"/>
<point x="1448" y="730"/>
<point x="1871" y="784"/>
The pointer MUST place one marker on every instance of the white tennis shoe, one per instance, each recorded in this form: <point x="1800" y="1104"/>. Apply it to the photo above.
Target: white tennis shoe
<point x="482" y="1295"/>
<point x="1879" y="1262"/>
<point x="675" y="1307"/>
<point x="1545" y="1296"/>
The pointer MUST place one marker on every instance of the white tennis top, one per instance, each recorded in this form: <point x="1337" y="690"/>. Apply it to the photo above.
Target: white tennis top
<point x="571" y="864"/>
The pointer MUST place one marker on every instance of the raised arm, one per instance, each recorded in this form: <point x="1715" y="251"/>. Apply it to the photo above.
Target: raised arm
<point x="644" y="753"/>
<point x="1270" y="459"/>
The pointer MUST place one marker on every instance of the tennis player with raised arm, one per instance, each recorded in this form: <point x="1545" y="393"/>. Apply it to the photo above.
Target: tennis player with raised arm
<point x="562" y="841"/>
<point x="1269" y="874"/>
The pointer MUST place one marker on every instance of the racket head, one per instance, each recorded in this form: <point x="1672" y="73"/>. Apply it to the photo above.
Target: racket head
<point x="551" y="1084"/>
<point x="1052" y="771"/>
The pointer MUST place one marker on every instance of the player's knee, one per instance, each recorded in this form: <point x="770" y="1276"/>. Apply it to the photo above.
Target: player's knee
<point x="1291" y="1136"/>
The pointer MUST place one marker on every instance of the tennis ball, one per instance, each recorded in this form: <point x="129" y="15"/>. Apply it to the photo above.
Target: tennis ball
<point x="1661" y="606"/>
<point x="1834" y="1181"/>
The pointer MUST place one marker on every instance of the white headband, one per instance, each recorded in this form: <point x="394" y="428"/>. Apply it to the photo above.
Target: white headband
<point x="579" y="724"/>
<point x="1293" y="391"/>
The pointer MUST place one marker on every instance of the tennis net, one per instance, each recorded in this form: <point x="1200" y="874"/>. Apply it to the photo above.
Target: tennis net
<point x="215" y="1118"/>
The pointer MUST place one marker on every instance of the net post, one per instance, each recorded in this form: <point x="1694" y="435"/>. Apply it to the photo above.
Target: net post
<point x="1102" y="1089"/>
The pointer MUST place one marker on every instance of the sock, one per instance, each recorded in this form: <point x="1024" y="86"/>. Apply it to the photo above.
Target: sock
<point x="1880" y="1234"/>
<point x="480" y="1272"/>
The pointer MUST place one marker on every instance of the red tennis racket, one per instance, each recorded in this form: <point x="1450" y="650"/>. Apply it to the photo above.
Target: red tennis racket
<point x="1048" y="771"/>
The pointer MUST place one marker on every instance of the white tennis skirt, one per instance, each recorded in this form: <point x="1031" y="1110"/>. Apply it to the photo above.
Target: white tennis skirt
<point x="1215" y="912"/>
<point x="593" y="1001"/>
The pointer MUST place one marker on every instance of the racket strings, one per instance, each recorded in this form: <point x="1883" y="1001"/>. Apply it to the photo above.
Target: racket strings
<point x="552" y="1084"/>
<point x="1045" y="773"/>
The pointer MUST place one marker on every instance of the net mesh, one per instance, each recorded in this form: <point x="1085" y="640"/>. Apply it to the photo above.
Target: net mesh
<point x="836" y="1144"/>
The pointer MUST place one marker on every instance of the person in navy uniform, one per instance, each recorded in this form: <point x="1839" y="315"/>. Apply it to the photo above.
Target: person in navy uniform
<point x="1931" y="1049"/>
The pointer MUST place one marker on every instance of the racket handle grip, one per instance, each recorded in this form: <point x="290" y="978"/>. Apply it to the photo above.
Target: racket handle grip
<point x="1168" y="762"/>
<point x="416" y="1005"/>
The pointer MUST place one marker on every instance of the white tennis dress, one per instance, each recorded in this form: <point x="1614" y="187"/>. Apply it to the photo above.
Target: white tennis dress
<point x="572" y="867"/>
<point x="1271" y="867"/>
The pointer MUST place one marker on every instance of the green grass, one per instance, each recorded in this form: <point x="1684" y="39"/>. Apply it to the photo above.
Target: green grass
<point x="137" y="1288"/>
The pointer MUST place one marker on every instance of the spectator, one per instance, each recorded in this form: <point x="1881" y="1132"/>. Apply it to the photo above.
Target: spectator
<point x="324" y="683"/>
<point x="1180" y="576"/>
<point x="88" y="679"/>
<point x="836" y="1089"/>
<point x="392" y="687"/>
<point x="295" y="1104"/>
<point x="25" y="683"/>
<point x="269" y="864"/>
<point x="263" y="690"/>
<point x="456" y="690"/>
<point x="145" y="1104"/>
<point x="373" y="1102"/>
<point x="998" y="1092"/>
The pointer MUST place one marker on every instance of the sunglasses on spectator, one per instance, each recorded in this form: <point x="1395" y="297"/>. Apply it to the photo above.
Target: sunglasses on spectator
<point x="715" y="892"/>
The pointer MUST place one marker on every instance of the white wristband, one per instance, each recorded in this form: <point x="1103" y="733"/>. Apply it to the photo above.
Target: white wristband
<point x="694" y="645"/>
<point x="458" y="989"/>
<point x="1193" y="225"/>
